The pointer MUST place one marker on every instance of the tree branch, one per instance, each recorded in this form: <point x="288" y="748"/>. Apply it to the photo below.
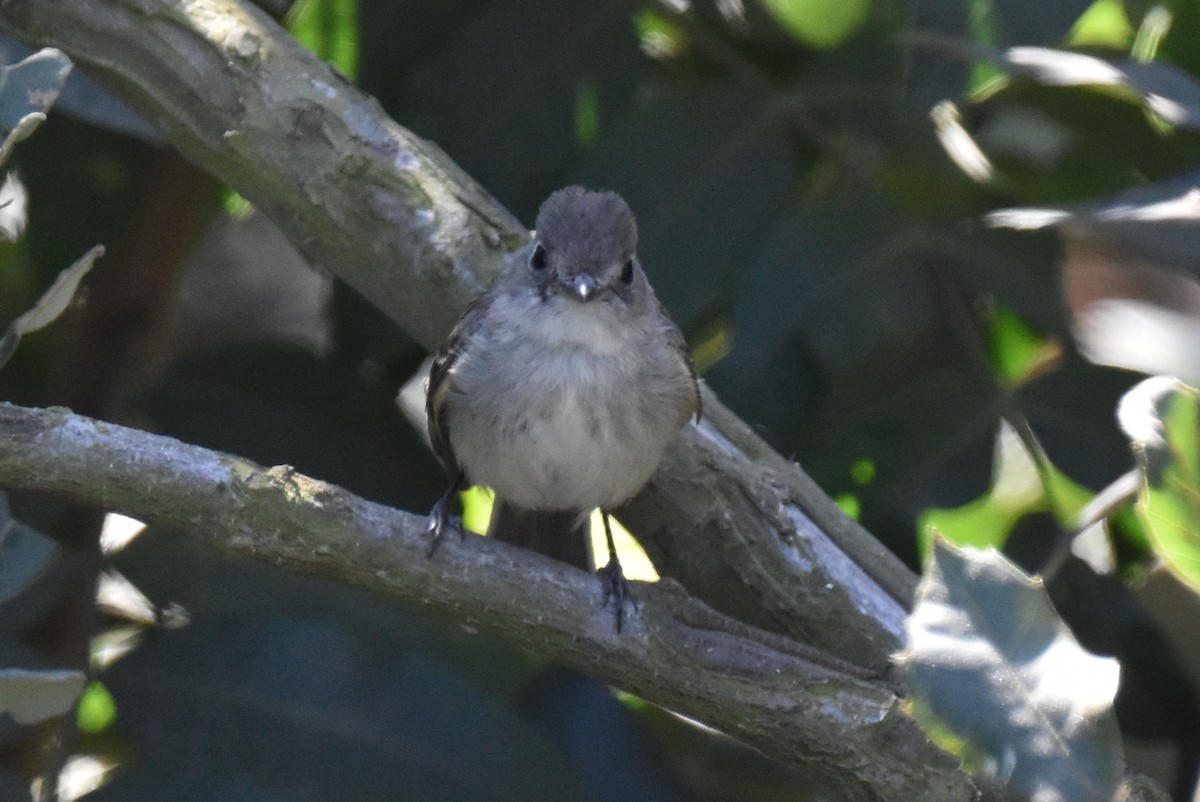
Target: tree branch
<point x="791" y="702"/>
<point x="390" y="214"/>
<point x="743" y="529"/>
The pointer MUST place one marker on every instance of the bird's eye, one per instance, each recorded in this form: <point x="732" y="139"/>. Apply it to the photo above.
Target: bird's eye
<point x="627" y="273"/>
<point x="538" y="258"/>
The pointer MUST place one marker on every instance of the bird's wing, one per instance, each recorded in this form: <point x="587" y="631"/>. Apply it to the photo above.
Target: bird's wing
<point x="440" y="378"/>
<point x="681" y="347"/>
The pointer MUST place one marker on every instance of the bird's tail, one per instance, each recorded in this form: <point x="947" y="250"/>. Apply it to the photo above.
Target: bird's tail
<point x="562" y="535"/>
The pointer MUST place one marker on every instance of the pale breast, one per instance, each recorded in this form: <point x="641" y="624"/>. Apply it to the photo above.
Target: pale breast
<point x="573" y="427"/>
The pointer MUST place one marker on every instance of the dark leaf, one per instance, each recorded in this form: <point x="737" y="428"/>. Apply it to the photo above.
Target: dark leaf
<point x="27" y="91"/>
<point x="24" y="553"/>
<point x="1035" y="21"/>
<point x="666" y="157"/>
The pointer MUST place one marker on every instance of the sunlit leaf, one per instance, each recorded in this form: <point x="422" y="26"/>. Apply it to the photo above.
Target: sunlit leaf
<point x="823" y="24"/>
<point x="958" y="143"/>
<point x="1161" y="416"/>
<point x="1019" y="354"/>
<point x="55" y="300"/>
<point x="235" y="205"/>
<point x="1150" y="34"/>
<point x="49" y="306"/>
<point x="659" y="36"/>
<point x="1169" y="92"/>
<point x="477" y="514"/>
<point x="981" y="522"/>
<point x="1140" y="336"/>
<point x="477" y="508"/>
<point x="1023" y="483"/>
<point x="1015" y="491"/>
<point x="849" y="504"/>
<point x="1157" y="221"/>
<point x="33" y="696"/>
<point x="329" y="28"/>
<point x="711" y="345"/>
<point x="634" y="561"/>
<point x="97" y="709"/>
<point x="14" y="204"/>
<point x="1065" y="497"/>
<point x="998" y="678"/>
<point x="1104" y="24"/>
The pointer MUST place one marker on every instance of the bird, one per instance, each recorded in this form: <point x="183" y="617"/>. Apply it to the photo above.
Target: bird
<point x="561" y="386"/>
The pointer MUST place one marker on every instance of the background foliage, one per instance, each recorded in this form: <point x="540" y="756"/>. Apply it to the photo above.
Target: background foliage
<point x="815" y="226"/>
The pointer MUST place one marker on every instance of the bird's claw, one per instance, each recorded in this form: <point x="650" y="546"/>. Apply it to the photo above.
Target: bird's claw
<point x="616" y="590"/>
<point x="442" y="518"/>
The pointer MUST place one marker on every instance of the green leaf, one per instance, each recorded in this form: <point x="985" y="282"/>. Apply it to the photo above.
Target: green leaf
<point x="1162" y="419"/>
<point x="477" y="508"/>
<point x="981" y="522"/>
<point x="329" y="28"/>
<point x="822" y="24"/>
<point x="24" y="553"/>
<point x="33" y="696"/>
<point x="849" y="504"/>
<point x="1104" y="24"/>
<point x="587" y="114"/>
<point x="1022" y="483"/>
<point x="997" y="678"/>
<point x="97" y="709"/>
<point x="1019" y="354"/>
<point x="658" y="35"/>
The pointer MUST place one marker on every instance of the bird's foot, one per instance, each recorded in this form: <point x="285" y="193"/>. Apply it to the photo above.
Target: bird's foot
<point x="443" y="518"/>
<point x="616" y="590"/>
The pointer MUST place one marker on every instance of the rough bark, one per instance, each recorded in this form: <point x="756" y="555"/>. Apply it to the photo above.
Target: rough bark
<point x="741" y="528"/>
<point x="790" y="701"/>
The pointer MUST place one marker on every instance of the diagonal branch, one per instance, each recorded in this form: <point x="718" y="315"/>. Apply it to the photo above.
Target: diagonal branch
<point x="391" y="215"/>
<point x="740" y="527"/>
<point x="786" y="700"/>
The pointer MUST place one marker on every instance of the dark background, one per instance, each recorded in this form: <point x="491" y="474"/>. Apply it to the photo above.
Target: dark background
<point x="827" y="260"/>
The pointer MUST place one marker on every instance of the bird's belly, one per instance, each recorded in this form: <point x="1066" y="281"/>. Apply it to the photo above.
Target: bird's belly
<point x="558" y="445"/>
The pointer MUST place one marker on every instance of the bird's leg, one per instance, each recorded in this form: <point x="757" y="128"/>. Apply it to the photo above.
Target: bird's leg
<point x="447" y="513"/>
<point x="616" y="588"/>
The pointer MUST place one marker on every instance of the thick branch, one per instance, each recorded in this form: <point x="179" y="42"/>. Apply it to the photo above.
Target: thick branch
<point x="395" y="218"/>
<point x="761" y="688"/>
<point x="391" y="215"/>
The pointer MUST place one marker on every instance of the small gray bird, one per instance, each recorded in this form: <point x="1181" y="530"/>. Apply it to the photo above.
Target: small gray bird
<point x="561" y="385"/>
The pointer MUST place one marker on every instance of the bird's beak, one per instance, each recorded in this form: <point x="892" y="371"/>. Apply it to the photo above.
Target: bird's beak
<point x="583" y="285"/>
